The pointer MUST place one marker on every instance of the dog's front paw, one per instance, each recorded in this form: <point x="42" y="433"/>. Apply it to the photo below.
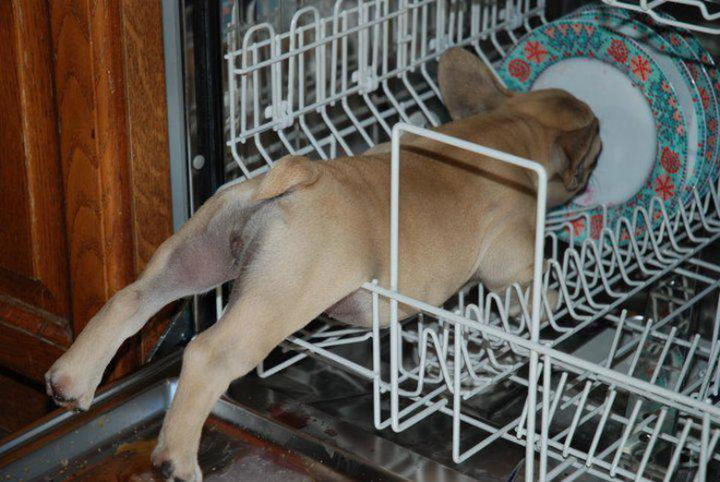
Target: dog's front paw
<point x="175" y="467"/>
<point x="68" y="389"/>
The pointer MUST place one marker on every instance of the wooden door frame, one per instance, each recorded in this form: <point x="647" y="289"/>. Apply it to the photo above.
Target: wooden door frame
<point x="34" y="310"/>
<point x="91" y="86"/>
<point x="112" y="117"/>
<point x="92" y="95"/>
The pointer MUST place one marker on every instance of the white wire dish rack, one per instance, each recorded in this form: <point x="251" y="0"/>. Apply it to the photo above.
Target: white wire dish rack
<point x="640" y="402"/>
<point x="706" y="12"/>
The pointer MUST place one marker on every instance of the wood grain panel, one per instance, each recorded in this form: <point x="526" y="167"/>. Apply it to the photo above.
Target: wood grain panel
<point x="148" y="139"/>
<point x="33" y="320"/>
<point x="84" y="169"/>
<point x="14" y="213"/>
<point x="24" y="352"/>
<point x="111" y="142"/>
<point x="90" y="94"/>
<point x="110" y="93"/>
<point x="147" y="126"/>
<point x="42" y="161"/>
<point x="29" y="290"/>
<point x="112" y="151"/>
<point x="30" y="339"/>
<point x="90" y="97"/>
<point x="21" y="403"/>
<point x="74" y="92"/>
<point x="34" y="295"/>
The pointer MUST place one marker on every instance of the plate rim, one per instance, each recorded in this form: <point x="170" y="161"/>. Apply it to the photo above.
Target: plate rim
<point x="614" y="212"/>
<point x="711" y="113"/>
<point x="707" y="66"/>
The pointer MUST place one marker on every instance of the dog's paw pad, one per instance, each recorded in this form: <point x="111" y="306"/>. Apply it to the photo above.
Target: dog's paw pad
<point x="171" y="471"/>
<point x="166" y="468"/>
<point x="61" y="387"/>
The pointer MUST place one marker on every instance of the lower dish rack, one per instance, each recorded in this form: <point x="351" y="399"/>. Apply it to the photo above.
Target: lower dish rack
<point x="639" y="402"/>
<point x="620" y="381"/>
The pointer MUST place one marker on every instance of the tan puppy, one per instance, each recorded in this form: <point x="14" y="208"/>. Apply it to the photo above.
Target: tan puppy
<point x="301" y="240"/>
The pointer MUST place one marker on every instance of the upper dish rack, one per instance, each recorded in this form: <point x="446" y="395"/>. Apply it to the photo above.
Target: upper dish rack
<point x="334" y="81"/>
<point x="708" y="11"/>
<point x="335" y="85"/>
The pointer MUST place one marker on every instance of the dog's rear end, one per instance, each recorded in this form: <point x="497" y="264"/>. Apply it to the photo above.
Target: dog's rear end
<point x="302" y="240"/>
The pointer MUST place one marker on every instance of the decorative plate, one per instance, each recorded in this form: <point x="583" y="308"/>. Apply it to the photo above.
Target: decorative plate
<point x="670" y="60"/>
<point x="643" y="130"/>
<point x="706" y="70"/>
<point x="670" y="47"/>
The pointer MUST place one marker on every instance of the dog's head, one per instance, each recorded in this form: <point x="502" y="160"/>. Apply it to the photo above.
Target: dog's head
<point x="571" y="137"/>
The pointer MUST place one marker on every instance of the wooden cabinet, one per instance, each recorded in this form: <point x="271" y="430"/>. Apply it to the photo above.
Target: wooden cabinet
<point x="34" y="282"/>
<point x="84" y="171"/>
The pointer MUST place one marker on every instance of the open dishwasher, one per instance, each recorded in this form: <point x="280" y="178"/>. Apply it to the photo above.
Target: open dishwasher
<point x="615" y="377"/>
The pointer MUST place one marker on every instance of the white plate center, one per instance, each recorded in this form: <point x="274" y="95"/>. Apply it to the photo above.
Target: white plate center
<point x="627" y="127"/>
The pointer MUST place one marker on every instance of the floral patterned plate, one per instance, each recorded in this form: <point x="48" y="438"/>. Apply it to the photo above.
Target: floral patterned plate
<point x="669" y="58"/>
<point x="642" y="127"/>
<point x="706" y="73"/>
<point x="699" y="102"/>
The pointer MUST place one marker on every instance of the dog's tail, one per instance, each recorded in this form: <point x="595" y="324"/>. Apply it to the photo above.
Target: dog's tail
<point x="289" y="174"/>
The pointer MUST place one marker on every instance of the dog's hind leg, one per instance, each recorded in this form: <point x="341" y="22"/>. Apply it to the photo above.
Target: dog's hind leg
<point x="227" y="350"/>
<point x="283" y="289"/>
<point x="194" y="260"/>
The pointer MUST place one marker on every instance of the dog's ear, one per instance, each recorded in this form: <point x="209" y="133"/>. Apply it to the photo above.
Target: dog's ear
<point x="574" y="153"/>
<point x="467" y="85"/>
<point x="288" y="174"/>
